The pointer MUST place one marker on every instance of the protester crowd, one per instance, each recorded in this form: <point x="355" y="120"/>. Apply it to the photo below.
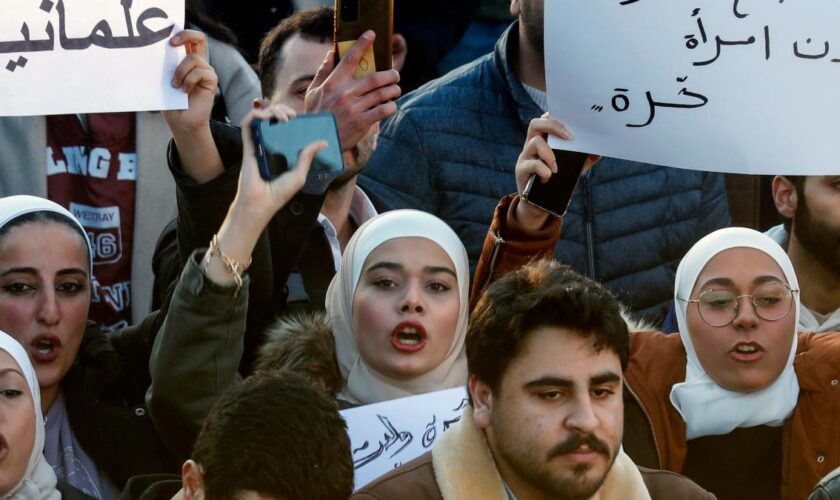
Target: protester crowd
<point x="173" y="325"/>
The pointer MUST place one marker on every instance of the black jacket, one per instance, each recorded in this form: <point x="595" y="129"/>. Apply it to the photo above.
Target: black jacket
<point x="105" y="391"/>
<point x="828" y="488"/>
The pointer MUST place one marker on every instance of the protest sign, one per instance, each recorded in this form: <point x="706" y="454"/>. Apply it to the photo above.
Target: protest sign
<point x="385" y="435"/>
<point x="722" y="85"/>
<point x="88" y="56"/>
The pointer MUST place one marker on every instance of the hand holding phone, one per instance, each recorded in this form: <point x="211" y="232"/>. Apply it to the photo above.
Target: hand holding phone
<point x="277" y="145"/>
<point x="545" y="178"/>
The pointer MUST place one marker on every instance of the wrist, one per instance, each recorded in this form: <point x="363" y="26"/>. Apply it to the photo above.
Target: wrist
<point x="529" y="217"/>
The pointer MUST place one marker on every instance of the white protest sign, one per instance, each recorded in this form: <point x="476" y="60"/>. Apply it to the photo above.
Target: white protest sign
<point x="746" y="86"/>
<point x="385" y="435"/>
<point x="88" y="56"/>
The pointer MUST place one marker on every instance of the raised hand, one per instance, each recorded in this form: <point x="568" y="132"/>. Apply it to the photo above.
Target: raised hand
<point x="356" y="104"/>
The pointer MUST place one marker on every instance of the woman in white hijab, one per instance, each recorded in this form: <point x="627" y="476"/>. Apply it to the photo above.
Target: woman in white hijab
<point x="24" y="473"/>
<point x="738" y="401"/>
<point x="398" y="308"/>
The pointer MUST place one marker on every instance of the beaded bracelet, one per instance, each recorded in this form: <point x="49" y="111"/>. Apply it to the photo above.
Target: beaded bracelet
<point x="232" y="266"/>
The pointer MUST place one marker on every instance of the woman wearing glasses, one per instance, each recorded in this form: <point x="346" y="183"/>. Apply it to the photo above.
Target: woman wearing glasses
<point x="737" y="401"/>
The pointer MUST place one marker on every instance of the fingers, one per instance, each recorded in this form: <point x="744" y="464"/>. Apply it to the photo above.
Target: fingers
<point x="204" y="77"/>
<point x="324" y="70"/>
<point x="375" y="81"/>
<point x="538" y="148"/>
<point x="347" y="65"/>
<point x="529" y="167"/>
<point x="245" y="126"/>
<point x="378" y="96"/>
<point x="306" y="156"/>
<point x="546" y="126"/>
<point x="378" y="113"/>
<point x="195" y="39"/>
<point x="191" y="62"/>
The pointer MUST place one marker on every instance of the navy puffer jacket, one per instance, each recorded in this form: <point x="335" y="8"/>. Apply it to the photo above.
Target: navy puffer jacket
<point x="451" y="150"/>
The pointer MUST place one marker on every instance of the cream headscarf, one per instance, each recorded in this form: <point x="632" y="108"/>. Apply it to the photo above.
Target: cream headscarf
<point x="12" y="207"/>
<point x="39" y="479"/>
<point x="364" y="384"/>
<point x="708" y="409"/>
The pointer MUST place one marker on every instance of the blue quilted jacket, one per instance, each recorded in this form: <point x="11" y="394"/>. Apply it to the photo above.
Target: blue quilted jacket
<point x="451" y="150"/>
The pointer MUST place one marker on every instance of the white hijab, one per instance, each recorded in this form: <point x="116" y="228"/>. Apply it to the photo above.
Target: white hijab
<point x="364" y="384"/>
<point x="706" y="408"/>
<point x="12" y="207"/>
<point x="38" y="481"/>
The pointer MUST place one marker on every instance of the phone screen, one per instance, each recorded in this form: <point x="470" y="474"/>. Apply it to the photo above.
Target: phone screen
<point x="278" y="145"/>
<point x="554" y="196"/>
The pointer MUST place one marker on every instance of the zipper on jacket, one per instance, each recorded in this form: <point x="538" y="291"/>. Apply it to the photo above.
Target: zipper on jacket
<point x="650" y="423"/>
<point x="498" y="241"/>
<point x="587" y="219"/>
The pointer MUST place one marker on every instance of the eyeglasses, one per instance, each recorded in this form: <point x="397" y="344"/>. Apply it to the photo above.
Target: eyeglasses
<point x="770" y="301"/>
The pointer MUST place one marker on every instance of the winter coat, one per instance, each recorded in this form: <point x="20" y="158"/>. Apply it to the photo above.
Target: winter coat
<point x="451" y="150"/>
<point x="828" y="488"/>
<point x="460" y="466"/>
<point x="129" y="393"/>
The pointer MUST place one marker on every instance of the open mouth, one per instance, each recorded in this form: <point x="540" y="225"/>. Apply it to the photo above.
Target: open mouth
<point x="44" y="348"/>
<point x="747" y="351"/>
<point x="408" y="337"/>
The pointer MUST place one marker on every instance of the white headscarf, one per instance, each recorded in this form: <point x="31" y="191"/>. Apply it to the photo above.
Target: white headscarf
<point x="39" y="479"/>
<point x="12" y="207"/>
<point x="364" y="384"/>
<point x="708" y="409"/>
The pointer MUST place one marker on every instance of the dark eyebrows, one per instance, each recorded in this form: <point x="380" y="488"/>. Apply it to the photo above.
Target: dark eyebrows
<point x="33" y="271"/>
<point x="553" y="381"/>
<point x="760" y="280"/>
<point x="303" y="78"/>
<point x="393" y="266"/>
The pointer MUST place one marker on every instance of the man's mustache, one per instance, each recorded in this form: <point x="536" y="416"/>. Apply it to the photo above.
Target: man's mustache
<point x="577" y="440"/>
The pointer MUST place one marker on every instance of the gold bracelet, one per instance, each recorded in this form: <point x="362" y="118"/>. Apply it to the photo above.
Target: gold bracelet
<point x="231" y="265"/>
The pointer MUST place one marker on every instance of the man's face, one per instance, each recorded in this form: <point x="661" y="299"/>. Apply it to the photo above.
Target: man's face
<point x="816" y="224"/>
<point x="530" y="13"/>
<point x="300" y="59"/>
<point x="556" y="421"/>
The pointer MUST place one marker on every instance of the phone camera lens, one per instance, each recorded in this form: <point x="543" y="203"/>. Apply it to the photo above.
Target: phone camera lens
<point x="350" y="10"/>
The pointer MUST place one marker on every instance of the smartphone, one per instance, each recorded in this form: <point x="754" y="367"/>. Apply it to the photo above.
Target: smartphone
<point x="354" y="17"/>
<point x="555" y="195"/>
<point x="278" y="144"/>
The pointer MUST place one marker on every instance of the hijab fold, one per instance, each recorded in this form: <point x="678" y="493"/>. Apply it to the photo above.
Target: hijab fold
<point x="38" y="479"/>
<point x="364" y="384"/>
<point x="707" y="408"/>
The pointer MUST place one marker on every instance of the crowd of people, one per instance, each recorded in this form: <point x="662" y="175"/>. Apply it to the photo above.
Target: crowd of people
<point x="174" y="326"/>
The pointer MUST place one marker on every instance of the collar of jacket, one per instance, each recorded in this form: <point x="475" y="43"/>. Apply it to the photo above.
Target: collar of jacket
<point x="464" y="468"/>
<point x="504" y="57"/>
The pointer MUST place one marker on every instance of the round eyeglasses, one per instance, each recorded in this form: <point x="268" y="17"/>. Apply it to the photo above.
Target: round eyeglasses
<point x="770" y="301"/>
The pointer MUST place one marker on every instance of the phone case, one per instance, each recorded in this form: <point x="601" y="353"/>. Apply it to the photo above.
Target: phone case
<point x="354" y="17"/>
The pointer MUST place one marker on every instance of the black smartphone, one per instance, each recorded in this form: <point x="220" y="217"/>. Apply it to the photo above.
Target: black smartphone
<point x="278" y="145"/>
<point x="354" y="17"/>
<point x="555" y="195"/>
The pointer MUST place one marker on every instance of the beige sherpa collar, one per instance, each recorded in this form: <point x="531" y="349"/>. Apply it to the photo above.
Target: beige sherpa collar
<point x="465" y="470"/>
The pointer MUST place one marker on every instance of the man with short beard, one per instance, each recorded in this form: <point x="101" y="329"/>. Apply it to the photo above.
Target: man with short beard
<point x="452" y="146"/>
<point x="811" y="236"/>
<point x="546" y="350"/>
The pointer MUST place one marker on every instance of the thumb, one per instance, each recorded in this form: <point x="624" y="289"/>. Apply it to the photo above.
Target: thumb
<point x="324" y="70"/>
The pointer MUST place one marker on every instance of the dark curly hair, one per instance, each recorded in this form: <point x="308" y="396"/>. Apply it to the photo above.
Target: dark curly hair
<point x="542" y="293"/>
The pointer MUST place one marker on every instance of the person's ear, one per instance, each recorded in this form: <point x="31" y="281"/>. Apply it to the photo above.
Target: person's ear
<point x="515" y="7"/>
<point x="192" y="481"/>
<point x="482" y="402"/>
<point x="785" y="196"/>
<point x="399" y="49"/>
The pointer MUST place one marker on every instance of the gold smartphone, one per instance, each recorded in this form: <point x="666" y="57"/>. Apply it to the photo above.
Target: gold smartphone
<point x="354" y="17"/>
